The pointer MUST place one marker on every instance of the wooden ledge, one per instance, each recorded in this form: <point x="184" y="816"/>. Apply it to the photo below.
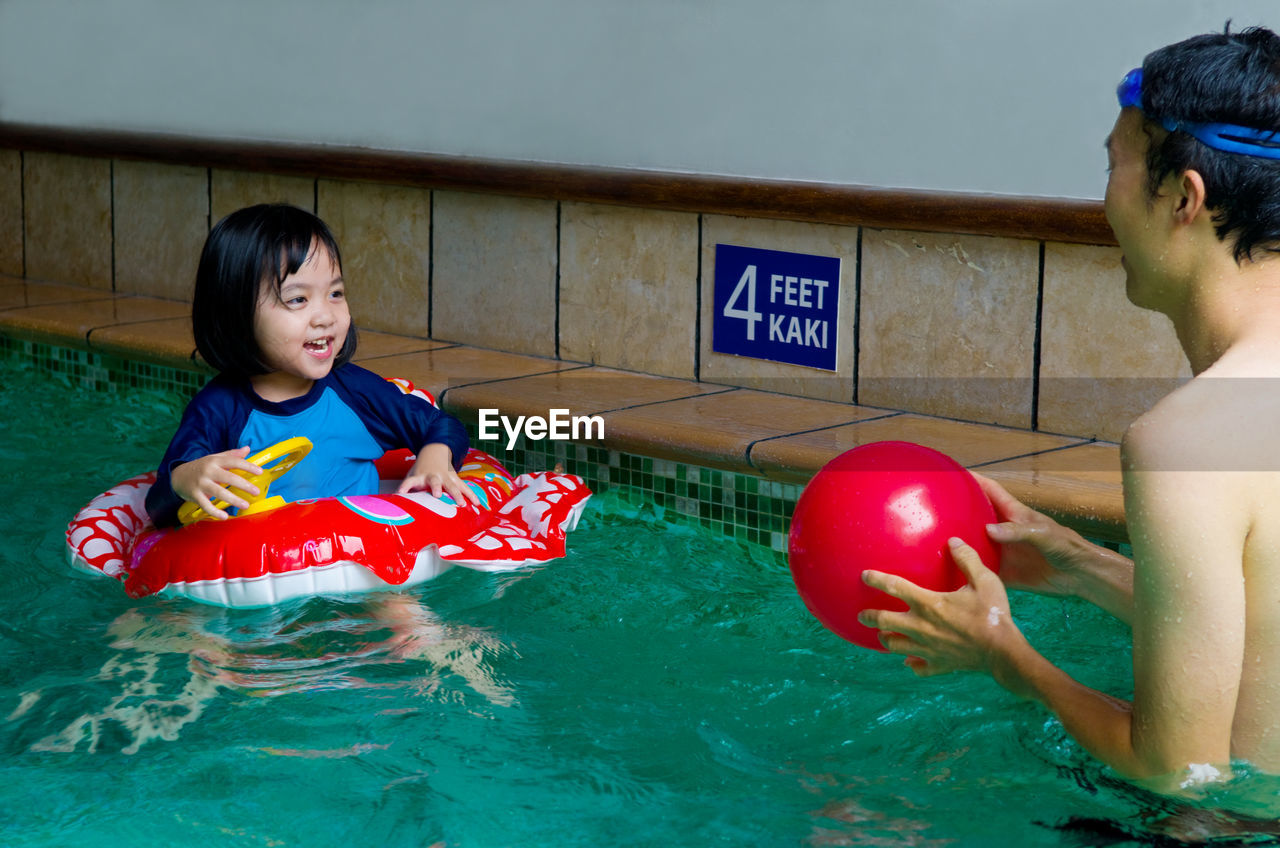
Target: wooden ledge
<point x="1014" y="216"/>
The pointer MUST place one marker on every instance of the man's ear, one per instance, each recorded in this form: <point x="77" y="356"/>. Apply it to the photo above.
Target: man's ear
<point x="1191" y="197"/>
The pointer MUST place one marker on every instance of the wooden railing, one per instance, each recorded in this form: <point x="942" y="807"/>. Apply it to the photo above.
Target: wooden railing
<point x="1039" y="218"/>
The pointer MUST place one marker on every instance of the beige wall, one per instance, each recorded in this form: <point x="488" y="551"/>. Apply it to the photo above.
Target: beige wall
<point x="1015" y="332"/>
<point x="988" y="96"/>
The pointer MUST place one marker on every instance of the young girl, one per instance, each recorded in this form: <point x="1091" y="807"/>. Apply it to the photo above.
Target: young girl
<point x="270" y="314"/>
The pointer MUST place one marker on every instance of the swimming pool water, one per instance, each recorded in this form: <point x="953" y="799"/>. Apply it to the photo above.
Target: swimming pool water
<point x="658" y="686"/>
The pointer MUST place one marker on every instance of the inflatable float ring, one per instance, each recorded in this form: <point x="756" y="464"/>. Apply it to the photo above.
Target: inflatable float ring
<point x="290" y="452"/>
<point x="330" y="545"/>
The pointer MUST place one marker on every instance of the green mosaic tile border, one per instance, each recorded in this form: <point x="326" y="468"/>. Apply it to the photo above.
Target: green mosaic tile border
<point x="99" y="371"/>
<point x="738" y="506"/>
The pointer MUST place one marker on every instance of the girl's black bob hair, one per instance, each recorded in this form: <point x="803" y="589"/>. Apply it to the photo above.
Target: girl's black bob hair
<point x="246" y="250"/>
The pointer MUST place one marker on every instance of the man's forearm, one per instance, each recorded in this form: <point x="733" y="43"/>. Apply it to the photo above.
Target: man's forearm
<point x="1099" y="722"/>
<point x="1106" y="581"/>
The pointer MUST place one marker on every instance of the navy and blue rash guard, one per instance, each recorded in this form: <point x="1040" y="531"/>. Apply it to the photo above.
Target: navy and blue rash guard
<point x="352" y="417"/>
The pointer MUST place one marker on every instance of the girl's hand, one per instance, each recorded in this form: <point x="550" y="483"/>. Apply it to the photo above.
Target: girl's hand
<point x="211" y="478"/>
<point x="433" y="471"/>
<point x="968" y="629"/>
<point x="1036" y="553"/>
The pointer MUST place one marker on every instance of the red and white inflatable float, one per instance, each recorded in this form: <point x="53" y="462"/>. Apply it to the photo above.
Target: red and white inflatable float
<point x="275" y="551"/>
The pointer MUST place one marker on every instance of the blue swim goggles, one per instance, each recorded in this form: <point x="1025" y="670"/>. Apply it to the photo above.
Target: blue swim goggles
<point x="1229" y="138"/>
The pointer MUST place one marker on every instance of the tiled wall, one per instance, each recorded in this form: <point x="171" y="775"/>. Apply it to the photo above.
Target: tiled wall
<point x="10" y="212"/>
<point x="66" y="219"/>
<point x="492" y="254"/>
<point x="1102" y="359"/>
<point x="1014" y="332"/>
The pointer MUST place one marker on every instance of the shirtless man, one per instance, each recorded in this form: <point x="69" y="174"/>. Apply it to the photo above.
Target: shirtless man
<point x="1195" y="206"/>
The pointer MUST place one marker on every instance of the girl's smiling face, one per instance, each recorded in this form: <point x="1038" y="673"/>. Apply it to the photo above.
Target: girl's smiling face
<point x="300" y="332"/>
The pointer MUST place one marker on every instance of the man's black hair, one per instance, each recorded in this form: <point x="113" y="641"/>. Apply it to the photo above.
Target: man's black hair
<point x="1231" y="78"/>
<point x="250" y="248"/>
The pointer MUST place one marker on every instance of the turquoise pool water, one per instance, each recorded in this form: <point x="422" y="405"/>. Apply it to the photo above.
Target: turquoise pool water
<point x="658" y="686"/>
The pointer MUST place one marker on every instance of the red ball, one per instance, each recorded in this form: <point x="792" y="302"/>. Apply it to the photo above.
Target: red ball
<point x="886" y="506"/>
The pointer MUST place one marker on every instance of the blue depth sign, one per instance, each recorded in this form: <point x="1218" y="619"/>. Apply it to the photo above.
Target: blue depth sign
<point x="770" y="304"/>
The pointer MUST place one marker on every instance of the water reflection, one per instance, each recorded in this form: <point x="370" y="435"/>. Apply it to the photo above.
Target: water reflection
<point x="169" y="664"/>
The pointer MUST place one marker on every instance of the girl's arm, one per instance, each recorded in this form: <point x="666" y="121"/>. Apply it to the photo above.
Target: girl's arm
<point x="399" y="420"/>
<point x="209" y="427"/>
<point x="212" y="478"/>
<point x="433" y="471"/>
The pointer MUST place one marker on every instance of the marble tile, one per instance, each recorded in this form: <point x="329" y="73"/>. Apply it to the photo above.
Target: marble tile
<point x="628" y="288"/>
<point x="1080" y="486"/>
<point x="948" y="325"/>
<point x="73" y="322"/>
<point x="721" y="430"/>
<point x="443" y="370"/>
<point x="13" y="292"/>
<point x="384" y="233"/>
<point x="793" y="237"/>
<point x="16" y="293"/>
<point x="798" y="457"/>
<point x="1103" y="361"/>
<point x="376" y="345"/>
<point x="161" y="220"/>
<point x="493" y="279"/>
<point x="68" y="219"/>
<point x="588" y="390"/>
<point x="232" y="190"/>
<point x="12" y="297"/>
<point x="167" y="341"/>
<point x="10" y="212"/>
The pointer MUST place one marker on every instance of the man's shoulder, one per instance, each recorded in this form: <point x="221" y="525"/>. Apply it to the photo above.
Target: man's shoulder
<point x="1207" y="425"/>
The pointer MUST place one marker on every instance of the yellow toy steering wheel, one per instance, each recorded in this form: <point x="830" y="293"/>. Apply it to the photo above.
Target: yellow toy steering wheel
<point x="290" y="452"/>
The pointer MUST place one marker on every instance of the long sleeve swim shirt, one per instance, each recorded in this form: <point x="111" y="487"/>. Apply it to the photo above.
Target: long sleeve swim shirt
<point x="352" y="417"/>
